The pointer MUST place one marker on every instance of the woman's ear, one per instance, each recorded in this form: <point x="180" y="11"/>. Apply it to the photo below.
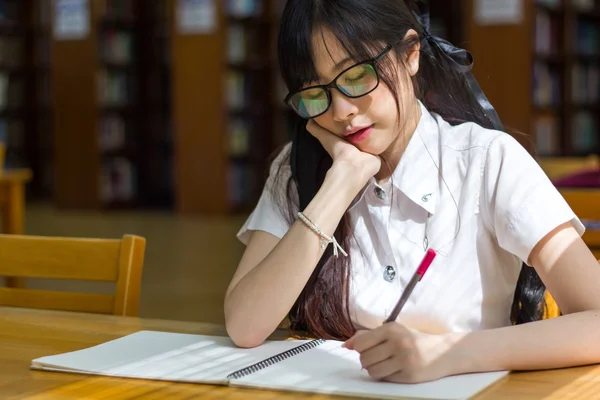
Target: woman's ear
<point x="413" y="54"/>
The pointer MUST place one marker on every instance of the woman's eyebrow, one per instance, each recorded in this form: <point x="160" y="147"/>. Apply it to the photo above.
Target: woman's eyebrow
<point x="341" y="64"/>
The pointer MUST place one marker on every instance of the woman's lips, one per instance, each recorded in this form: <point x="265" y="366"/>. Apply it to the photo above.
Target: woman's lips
<point x="358" y="135"/>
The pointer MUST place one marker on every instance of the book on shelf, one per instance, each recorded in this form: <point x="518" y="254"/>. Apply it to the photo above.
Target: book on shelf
<point x="585" y="134"/>
<point x="116" y="46"/>
<point x="117" y="9"/>
<point x="244" y="8"/>
<point x="117" y="180"/>
<point x="585" y="84"/>
<point x="243" y="44"/>
<point x="586" y="37"/>
<point x="112" y="133"/>
<point x="115" y="88"/>
<point x="237" y="90"/>
<point x="552" y="4"/>
<point x="546" y="35"/>
<point x="238" y="137"/>
<point x="241" y="184"/>
<point x="236" y="43"/>
<point x="546" y="85"/>
<point x="546" y="133"/>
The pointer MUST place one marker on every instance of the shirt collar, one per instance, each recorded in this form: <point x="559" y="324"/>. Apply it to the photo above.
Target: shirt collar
<point x="417" y="174"/>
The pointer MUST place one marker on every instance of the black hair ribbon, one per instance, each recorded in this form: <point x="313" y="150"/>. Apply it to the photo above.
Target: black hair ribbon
<point x="460" y="59"/>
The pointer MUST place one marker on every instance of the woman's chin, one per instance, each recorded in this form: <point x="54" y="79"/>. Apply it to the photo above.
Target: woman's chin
<point x="371" y="147"/>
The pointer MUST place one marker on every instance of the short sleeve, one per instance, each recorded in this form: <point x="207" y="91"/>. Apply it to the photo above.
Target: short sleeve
<point x="522" y="203"/>
<point x="269" y="214"/>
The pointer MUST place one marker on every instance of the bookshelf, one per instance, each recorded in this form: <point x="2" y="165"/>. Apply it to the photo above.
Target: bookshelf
<point x="221" y="105"/>
<point x="547" y="85"/>
<point x="198" y="119"/>
<point x="249" y="99"/>
<point x="96" y="108"/>
<point x="153" y="108"/>
<point x="14" y="80"/>
<point x="24" y="91"/>
<point x="156" y="140"/>
<point x="42" y="160"/>
<point x="447" y="20"/>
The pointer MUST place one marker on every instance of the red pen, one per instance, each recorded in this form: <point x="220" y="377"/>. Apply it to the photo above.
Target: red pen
<point x="418" y="275"/>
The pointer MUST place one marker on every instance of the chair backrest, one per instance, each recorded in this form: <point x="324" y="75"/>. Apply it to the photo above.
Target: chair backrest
<point x="109" y="260"/>
<point x="559" y="167"/>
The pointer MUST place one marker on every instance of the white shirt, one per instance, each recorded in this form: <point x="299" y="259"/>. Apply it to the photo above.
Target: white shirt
<point x="484" y="202"/>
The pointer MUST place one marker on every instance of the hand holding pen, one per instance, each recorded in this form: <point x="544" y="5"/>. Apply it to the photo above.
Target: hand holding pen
<point x="395" y="353"/>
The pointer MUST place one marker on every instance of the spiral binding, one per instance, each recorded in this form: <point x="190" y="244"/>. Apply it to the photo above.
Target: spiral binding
<point x="275" y="359"/>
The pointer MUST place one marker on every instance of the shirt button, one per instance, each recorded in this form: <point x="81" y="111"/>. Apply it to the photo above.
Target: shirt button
<point x="380" y="193"/>
<point x="389" y="273"/>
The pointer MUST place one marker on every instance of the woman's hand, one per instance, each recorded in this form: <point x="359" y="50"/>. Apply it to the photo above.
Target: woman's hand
<point x="363" y="165"/>
<point x="395" y="353"/>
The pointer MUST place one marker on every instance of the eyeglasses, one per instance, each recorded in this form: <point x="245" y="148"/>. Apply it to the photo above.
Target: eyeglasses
<point x="354" y="82"/>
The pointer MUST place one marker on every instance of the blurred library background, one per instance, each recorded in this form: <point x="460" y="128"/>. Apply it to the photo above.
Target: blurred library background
<point x="158" y="117"/>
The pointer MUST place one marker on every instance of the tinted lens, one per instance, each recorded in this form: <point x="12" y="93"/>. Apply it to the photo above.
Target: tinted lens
<point x="310" y="102"/>
<point x="358" y="81"/>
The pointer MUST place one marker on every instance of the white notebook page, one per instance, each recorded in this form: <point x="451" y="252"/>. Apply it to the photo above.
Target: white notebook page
<point x="331" y="369"/>
<point x="165" y="356"/>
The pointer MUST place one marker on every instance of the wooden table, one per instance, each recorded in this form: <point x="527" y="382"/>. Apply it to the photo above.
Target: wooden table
<point x="28" y="334"/>
<point x="12" y="199"/>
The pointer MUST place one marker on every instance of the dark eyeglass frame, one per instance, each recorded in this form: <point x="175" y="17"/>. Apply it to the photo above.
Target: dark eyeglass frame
<point x="327" y="88"/>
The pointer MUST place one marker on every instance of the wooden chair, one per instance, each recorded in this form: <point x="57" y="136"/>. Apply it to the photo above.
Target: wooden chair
<point x="110" y="260"/>
<point x="559" y="167"/>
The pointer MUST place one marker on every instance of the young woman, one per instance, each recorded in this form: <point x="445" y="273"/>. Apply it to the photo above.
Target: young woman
<point x="399" y="152"/>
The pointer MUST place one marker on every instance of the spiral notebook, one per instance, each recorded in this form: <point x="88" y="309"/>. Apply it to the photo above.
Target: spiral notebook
<point x="309" y="366"/>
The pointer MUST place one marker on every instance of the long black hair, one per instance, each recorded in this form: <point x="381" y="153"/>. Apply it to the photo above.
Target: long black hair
<point x="363" y="28"/>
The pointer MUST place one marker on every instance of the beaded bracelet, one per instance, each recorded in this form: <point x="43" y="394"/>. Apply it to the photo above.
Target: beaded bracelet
<point x="325" y="239"/>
